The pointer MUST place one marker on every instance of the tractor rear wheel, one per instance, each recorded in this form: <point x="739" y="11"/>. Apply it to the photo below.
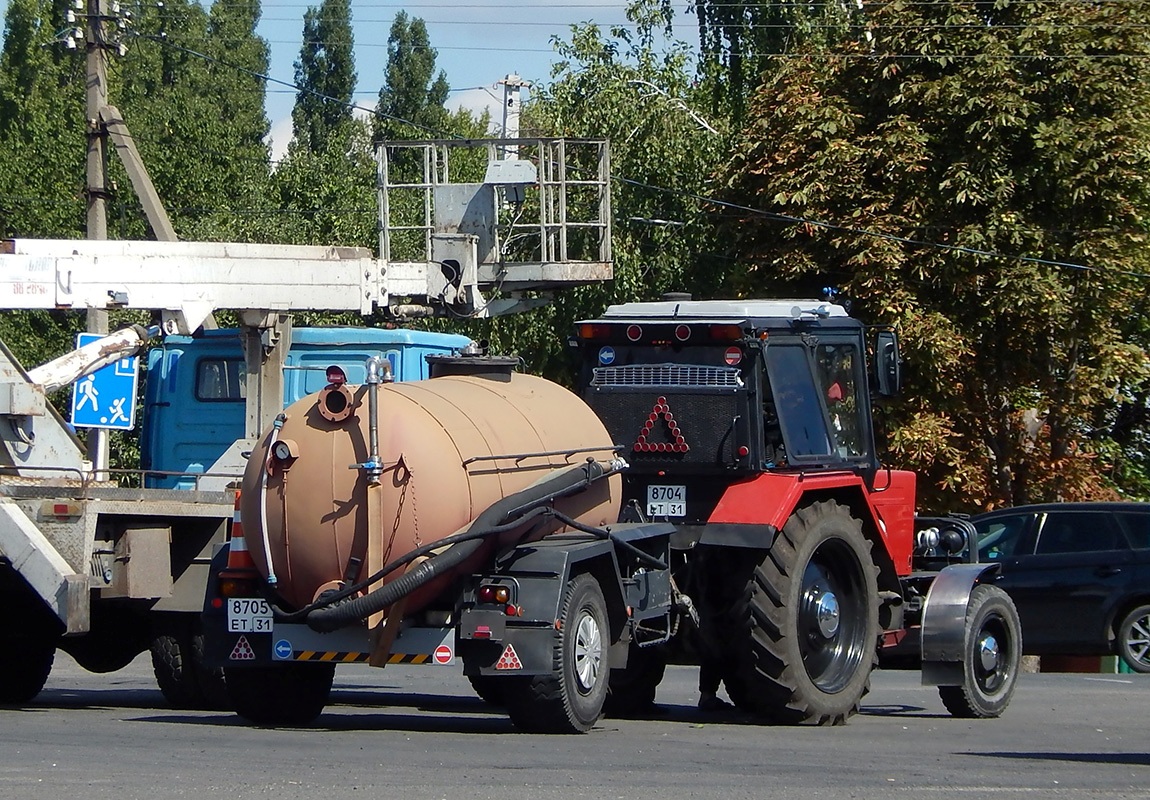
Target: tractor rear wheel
<point x="569" y="699"/>
<point x="809" y="622"/>
<point x="283" y="694"/>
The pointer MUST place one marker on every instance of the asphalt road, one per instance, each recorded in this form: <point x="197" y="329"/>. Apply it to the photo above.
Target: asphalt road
<point x="419" y="732"/>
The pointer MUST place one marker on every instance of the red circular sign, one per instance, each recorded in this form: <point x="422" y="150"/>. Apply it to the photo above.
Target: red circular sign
<point x="443" y="654"/>
<point x="733" y="356"/>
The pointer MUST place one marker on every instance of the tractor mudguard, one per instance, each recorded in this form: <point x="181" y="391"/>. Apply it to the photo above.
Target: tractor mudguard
<point x="944" y="622"/>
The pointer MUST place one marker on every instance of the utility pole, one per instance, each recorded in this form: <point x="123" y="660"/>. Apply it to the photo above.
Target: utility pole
<point x="512" y="86"/>
<point x="97" y="190"/>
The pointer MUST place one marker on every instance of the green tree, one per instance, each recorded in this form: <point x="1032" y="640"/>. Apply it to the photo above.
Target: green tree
<point x="325" y="73"/>
<point x="413" y="92"/>
<point x="42" y="133"/>
<point x="982" y="148"/>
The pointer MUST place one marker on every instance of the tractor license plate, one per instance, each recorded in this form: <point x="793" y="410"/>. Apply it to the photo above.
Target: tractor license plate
<point x="249" y="615"/>
<point x="666" y="501"/>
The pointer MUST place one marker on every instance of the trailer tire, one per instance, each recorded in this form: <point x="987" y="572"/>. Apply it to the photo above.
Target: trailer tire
<point x="569" y="699"/>
<point x="284" y="694"/>
<point x="991" y="658"/>
<point x="25" y="663"/>
<point x="178" y="664"/>
<point x="490" y="689"/>
<point x="631" y="690"/>
<point x="1134" y="639"/>
<point x="809" y="622"/>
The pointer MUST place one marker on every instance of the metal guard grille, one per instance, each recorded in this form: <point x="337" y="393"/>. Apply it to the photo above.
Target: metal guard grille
<point x="667" y="375"/>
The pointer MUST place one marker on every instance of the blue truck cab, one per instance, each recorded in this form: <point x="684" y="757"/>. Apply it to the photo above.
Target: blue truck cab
<point x="194" y="396"/>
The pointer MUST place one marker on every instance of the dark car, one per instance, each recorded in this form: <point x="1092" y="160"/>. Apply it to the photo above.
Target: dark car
<point x="1079" y="574"/>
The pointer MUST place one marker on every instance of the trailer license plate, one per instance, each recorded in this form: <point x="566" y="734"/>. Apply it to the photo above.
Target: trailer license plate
<point x="666" y="501"/>
<point x="249" y="615"/>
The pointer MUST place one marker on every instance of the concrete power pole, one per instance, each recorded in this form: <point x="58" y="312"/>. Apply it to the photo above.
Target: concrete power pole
<point x="97" y="100"/>
<point x="512" y="87"/>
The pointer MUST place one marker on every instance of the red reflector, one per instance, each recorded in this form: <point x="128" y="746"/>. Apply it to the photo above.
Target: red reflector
<point x="744" y="451"/>
<point x="726" y="332"/>
<point x="217" y="602"/>
<point x="482" y="632"/>
<point x="682" y="333"/>
<point x="60" y="509"/>
<point x="733" y="356"/>
<point x="634" y="333"/>
<point x="513" y="611"/>
<point x="590" y="330"/>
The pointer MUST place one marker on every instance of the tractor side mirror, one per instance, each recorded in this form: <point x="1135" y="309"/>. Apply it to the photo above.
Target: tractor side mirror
<point x="888" y="365"/>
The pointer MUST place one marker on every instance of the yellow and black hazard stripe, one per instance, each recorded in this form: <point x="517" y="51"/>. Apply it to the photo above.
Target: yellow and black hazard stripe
<point x="351" y="658"/>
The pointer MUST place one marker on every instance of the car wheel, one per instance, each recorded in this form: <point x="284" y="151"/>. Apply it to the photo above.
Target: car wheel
<point x="1134" y="639"/>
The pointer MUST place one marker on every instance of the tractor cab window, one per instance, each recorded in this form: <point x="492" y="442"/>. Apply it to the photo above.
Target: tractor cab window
<point x="837" y="369"/>
<point x="813" y="392"/>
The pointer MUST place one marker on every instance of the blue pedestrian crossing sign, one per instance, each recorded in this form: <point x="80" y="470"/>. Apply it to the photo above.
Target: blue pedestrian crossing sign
<point x="107" y="397"/>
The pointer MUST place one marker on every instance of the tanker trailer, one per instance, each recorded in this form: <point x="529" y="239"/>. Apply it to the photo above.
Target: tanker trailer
<point x="468" y="517"/>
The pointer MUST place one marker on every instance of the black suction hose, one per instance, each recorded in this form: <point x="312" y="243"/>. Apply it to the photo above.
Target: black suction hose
<point x="568" y="482"/>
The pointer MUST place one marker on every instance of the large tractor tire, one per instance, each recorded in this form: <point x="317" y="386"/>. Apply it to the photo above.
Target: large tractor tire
<point x="25" y="663"/>
<point x="631" y="690"/>
<point x="283" y="694"/>
<point x="1134" y="639"/>
<point x="569" y="699"/>
<point x="806" y="629"/>
<point x="991" y="656"/>
<point x="178" y="664"/>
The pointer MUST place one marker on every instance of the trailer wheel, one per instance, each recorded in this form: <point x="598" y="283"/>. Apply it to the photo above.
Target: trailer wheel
<point x="25" y="663"/>
<point x="631" y="690"/>
<point x="992" y="655"/>
<point x="570" y="699"/>
<point x="1134" y="639"/>
<point x="178" y="664"/>
<point x="809" y="619"/>
<point x="283" y="694"/>
<point x="490" y="689"/>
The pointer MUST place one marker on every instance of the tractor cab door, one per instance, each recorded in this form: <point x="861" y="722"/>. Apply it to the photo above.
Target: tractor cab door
<point x="817" y="393"/>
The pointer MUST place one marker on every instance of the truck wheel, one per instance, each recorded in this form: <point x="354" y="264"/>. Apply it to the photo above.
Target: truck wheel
<point x="631" y="690"/>
<point x="809" y="622"/>
<point x="25" y="662"/>
<point x="1134" y="639"/>
<point x="570" y="699"/>
<point x="992" y="655"/>
<point x="283" y="694"/>
<point x="490" y="689"/>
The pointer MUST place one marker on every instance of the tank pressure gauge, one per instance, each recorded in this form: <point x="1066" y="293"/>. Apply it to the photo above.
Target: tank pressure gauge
<point x="285" y="450"/>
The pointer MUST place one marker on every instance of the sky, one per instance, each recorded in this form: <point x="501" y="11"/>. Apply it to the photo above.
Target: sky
<point x="478" y="43"/>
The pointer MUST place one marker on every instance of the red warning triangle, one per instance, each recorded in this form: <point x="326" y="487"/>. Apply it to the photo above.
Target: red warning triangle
<point x="509" y="659"/>
<point x="677" y="443"/>
<point x="242" y="651"/>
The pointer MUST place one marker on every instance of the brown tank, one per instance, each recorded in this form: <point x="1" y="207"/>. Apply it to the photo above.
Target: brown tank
<point x="448" y="447"/>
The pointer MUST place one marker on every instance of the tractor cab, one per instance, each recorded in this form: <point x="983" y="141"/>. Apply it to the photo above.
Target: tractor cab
<point x="723" y="390"/>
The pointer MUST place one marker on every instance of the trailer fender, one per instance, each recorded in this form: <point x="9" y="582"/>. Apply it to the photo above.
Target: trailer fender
<point x="944" y="622"/>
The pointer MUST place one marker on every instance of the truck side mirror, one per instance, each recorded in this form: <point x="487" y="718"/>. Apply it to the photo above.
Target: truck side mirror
<point x="888" y="365"/>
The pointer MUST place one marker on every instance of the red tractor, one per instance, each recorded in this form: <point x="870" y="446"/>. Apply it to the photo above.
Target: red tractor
<point x="747" y="425"/>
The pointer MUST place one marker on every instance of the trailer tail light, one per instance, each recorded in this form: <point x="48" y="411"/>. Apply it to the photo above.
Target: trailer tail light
<point x="493" y="594"/>
<point x="594" y="330"/>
